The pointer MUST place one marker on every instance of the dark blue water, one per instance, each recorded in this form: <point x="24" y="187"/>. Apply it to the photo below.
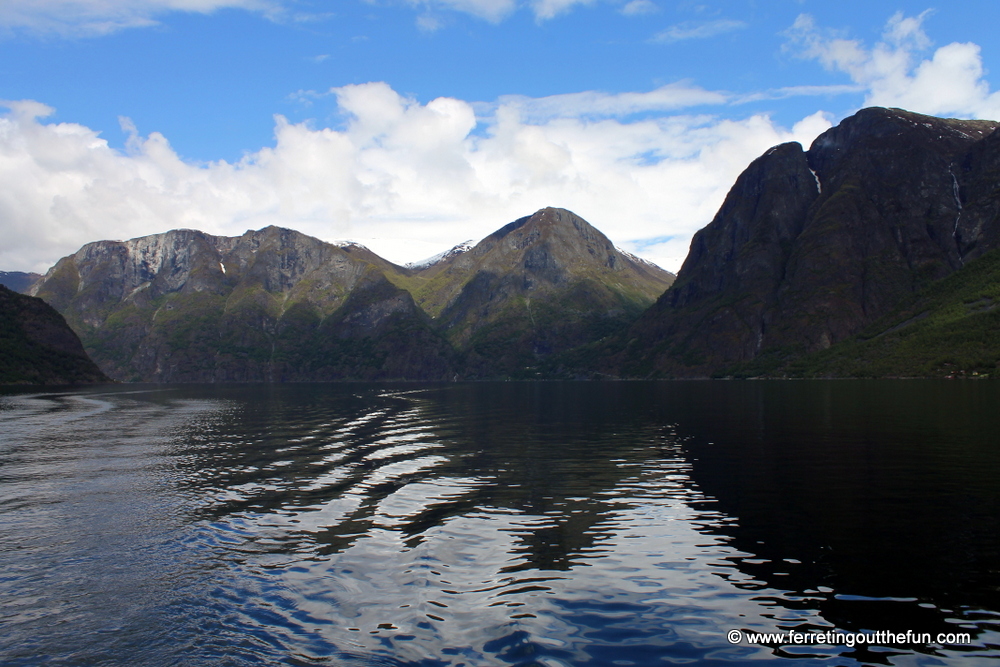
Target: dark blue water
<point x="498" y="524"/>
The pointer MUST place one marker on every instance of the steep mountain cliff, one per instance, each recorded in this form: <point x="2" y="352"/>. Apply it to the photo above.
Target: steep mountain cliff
<point x="38" y="347"/>
<point x="276" y="305"/>
<point x="811" y="247"/>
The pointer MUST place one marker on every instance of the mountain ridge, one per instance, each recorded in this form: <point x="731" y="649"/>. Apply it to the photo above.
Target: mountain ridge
<point x="18" y="281"/>
<point x="277" y="305"/>
<point x="810" y="247"/>
<point x="885" y="228"/>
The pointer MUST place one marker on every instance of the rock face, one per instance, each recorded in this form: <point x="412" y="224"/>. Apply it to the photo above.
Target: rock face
<point x="276" y="305"/>
<point x="271" y="305"/>
<point x="38" y="347"/>
<point x="811" y="247"/>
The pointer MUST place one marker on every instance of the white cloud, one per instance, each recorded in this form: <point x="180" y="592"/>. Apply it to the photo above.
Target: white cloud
<point x="429" y="23"/>
<point x="490" y="10"/>
<point x="698" y="30"/>
<point x="950" y="82"/>
<point x="798" y="91"/>
<point x="640" y="8"/>
<point x="597" y="104"/>
<point x="88" y="18"/>
<point x="100" y="17"/>
<point x="548" y="9"/>
<point x="494" y="11"/>
<point x="407" y="179"/>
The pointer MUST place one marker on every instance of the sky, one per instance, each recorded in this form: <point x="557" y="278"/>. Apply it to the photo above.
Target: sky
<point x="413" y="125"/>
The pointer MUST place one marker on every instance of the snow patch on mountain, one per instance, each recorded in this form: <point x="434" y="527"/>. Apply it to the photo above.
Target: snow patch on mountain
<point x="638" y="260"/>
<point x="463" y="247"/>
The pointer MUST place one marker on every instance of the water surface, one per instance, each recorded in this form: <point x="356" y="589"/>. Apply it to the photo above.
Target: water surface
<point x="497" y="523"/>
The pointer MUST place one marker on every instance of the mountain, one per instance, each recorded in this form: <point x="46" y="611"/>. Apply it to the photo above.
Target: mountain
<point x="533" y="290"/>
<point x="465" y="246"/>
<point x="951" y="329"/>
<point x="874" y="252"/>
<point x="38" y="347"/>
<point x="18" y="281"/>
<point x="277" y="305"/>
<point x="812" y="247"/>
<point x="270" y="305"/>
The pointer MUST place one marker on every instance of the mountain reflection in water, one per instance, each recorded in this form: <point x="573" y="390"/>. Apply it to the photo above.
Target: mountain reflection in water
<point x="497" y="523"/>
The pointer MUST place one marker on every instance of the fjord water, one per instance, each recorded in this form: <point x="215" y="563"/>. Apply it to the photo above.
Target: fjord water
<point x="497" y="523"/>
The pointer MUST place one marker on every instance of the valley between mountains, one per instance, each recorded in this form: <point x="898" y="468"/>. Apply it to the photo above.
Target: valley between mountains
<point x="873" y="253"/>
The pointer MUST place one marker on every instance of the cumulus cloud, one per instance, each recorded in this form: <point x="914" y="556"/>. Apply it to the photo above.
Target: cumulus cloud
<point x="100" y="17"/>
<point x="405" y="178"/>
<point x="698" y="30"/>
<point x="895" y="73"/>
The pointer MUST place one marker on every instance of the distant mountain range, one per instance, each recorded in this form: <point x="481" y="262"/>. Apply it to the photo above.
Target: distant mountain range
<point x="276" y="305"/>
<point x="18" y="281"/>
<point x="876" y="252"/>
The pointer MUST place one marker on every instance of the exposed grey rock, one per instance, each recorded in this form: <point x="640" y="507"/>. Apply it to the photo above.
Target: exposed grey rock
<point x="188" y="306"/>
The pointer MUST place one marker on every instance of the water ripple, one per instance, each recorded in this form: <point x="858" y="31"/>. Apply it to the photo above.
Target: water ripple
<point x="540" y="524"/>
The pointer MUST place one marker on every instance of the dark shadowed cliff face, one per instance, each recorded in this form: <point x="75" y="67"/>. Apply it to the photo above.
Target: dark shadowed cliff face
<point x="978" y="227"/>
<point x="728" y="286"/>
<point x="38" y="347"/>
<point x="811" y="247"/>
<point x="270" y="305"/>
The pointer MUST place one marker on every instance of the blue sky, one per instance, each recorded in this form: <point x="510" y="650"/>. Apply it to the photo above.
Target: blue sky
<point x="412" y="125"/>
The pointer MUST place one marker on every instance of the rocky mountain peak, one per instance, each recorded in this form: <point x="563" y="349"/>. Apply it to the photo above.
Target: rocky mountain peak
<point x="875" y="124"/>
<point x="549" y="246"/>
<point x="557" y="218"/>
<point x="876" y="129"/>
<point x="537" y="287"/>
<point x="810" y="247"/>
<point x="537" y="254"/>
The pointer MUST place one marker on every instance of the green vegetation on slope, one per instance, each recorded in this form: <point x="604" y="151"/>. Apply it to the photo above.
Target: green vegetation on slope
<point x="950" y="329"/>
